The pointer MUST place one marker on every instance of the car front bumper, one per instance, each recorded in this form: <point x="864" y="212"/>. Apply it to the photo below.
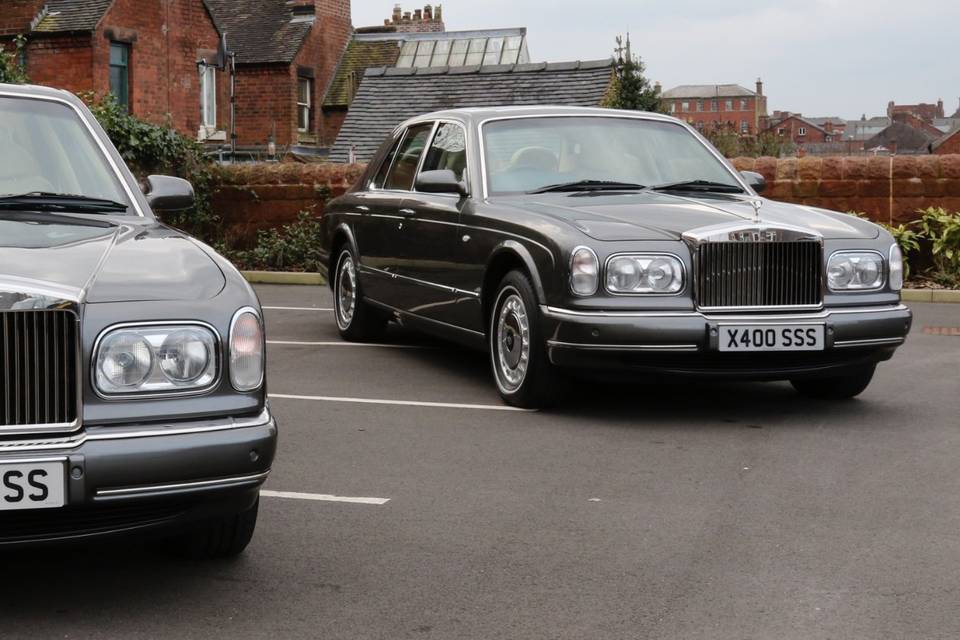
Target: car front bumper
<point x="685" y="343"/>
<point x="145" y="477"/>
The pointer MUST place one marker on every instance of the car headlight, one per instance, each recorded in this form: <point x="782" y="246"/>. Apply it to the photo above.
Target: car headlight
<point x="584" y="271"/>
<point x="246" y="351"/>
<point x="650" y="274"/>
<point x="855" y="271"/>
<point x="896" y="267"/>
<point x="156" y="359"/>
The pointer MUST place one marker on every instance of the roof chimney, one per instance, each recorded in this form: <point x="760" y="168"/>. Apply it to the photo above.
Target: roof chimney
<point x="759" y="87"/>
<point x="940" y="108"/>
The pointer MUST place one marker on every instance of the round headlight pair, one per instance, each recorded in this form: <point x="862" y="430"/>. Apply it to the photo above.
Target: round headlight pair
<point x="156" y="359"/>
<point x="855" y="271"/>
<point x="644" y="274"/>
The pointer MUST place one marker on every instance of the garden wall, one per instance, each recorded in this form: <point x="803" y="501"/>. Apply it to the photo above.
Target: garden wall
<point x="249" y="198"/>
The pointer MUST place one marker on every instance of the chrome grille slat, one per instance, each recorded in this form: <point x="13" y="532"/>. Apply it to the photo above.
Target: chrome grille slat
<point x="758" y="274"/>
<point x="40" y="373"/>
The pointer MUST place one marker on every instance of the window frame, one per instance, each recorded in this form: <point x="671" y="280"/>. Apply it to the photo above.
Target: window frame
<point x="426" y="152"/>
<point x="395" y="148"/>
<point x="125" y="100"/>
<point x="308" y="104"/>
<point x="209" y="73"/>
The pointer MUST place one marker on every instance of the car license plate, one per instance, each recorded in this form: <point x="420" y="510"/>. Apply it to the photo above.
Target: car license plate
<point x="32" y="485"/>
<point x="765" y="337"/>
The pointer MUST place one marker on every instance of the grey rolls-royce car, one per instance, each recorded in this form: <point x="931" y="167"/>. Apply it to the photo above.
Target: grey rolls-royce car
<point x="131" y="355"/>
<point x="582" y="240"/>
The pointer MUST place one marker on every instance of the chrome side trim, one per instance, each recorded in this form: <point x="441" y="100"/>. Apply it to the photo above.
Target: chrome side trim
<point x="843" y="344"/>
<point x="402" y="313"/>
<point x="108" y="433"/>
<point x="622" y="347"/>
<point x="219" y="483"/>
<point x="826" y="313"/>
<point x="434" y="285"/>
<point x="93" y="134"/>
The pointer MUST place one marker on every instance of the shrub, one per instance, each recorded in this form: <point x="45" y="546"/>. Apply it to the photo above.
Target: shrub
<point x="942" y="229"/>
<point x="11" y="71"/>
<point x="293" y="247"/>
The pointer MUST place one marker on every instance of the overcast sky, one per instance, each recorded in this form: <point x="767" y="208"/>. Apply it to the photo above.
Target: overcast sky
<point x="819" y="57"/>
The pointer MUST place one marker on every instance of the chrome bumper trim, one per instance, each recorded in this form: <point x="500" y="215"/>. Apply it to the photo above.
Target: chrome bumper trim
<point x="219" y="483"/>
<point x="876" y="342"/>
<point x="786" y="317"/>
<point x="72" y="442"/>
<point x="623" y="347"/>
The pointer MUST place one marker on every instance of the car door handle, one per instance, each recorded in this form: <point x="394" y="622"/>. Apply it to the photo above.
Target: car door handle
<point x="406" y="212"/>
<point x="363" y="208"/>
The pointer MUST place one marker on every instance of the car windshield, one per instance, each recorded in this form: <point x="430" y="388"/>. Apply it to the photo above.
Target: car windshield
<point x="46" y="149"/>
<point x="523" y="155"/>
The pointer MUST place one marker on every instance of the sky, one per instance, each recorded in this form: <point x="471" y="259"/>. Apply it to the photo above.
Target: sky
<point x="839" y="58"/>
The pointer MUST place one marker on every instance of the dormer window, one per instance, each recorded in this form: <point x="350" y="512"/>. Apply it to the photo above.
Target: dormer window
<point x="304" y="13"/>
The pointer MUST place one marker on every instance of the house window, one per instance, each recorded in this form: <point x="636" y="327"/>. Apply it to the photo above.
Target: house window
<point x="728" y="105"/>
<point x="781" y="131"/>
<point x="699" y="105"/>
<point x="304" y="104"/>
<point x="685" y="106"/>
<point x="208" y="97"/>
<point x="120" y="73"/>
<point x="802" y="131"/>
<point x="828" y="138"/>
<point x="743" y="105"/>
<point x="673" y="107"/>
<point x="714" y="105"/>
<point x="744" y="126"/>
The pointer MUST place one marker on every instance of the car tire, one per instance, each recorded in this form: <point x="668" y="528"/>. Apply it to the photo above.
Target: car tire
<point x="521" y="369"/>
<point x="223" y="537"/>
<point x="356" y="320"/>
<point x="836" y="387"/>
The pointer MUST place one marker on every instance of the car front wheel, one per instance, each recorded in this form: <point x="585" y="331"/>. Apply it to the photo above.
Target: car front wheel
<point x="524" y="375"/>
<point x="836" y="387"/>
<point x="356" y="320"/>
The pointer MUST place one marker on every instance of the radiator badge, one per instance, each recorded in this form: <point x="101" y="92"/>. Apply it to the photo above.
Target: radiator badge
<point x="754" y="235"/>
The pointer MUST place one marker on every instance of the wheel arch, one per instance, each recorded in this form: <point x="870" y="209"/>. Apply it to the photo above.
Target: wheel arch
<point x="342" y="235"/>
<point x="507" y="256"/>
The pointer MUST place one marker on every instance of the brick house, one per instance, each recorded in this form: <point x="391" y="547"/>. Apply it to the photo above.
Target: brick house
<point x="924" y="111"/>
<point x="712" y="106"/>
<point x="947" y="144"/>
<point x="800" y="130"/>
<point x="286" y="55"/>
<point x="145" y="53"/>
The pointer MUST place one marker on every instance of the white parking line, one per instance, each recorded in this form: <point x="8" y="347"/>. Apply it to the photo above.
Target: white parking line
<point x="293" y="495"/>
<point x="293" y="343"/>
<point x="297" y="309"/>
<point x="402" y="403"/>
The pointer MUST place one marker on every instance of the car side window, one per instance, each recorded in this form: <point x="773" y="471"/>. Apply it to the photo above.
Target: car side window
<point x="448" y="151"/>
<point x="408" y="157"/>
<point x="381" y="177"/>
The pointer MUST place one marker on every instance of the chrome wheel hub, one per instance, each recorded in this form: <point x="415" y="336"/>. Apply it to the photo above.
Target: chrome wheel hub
<point x="346" y="291"/>
<point x="512" y="342"/>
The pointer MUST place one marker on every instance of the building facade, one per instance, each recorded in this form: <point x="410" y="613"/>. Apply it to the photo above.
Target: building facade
<point x="716" y="106"/>
<point x="146" y="54"/>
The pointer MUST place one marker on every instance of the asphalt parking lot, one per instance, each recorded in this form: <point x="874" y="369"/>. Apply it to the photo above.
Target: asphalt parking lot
<point x="634" y="511"/>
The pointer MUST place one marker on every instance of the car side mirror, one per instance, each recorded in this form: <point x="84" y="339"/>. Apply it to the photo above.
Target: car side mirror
<point x="168" y="194"/>
<point x="756" y="181"/>
<point x="440" y="181"/>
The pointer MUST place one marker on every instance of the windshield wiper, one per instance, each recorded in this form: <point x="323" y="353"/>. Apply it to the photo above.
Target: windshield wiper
<point x="698" y="185"/>
<point x="44" y="201"/>
<point x="589" y="185"/>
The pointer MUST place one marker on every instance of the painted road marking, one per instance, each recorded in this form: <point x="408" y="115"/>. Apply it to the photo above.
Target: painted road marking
<point x="403" y="403"/>
<point x="297" y="309"/>
<point x="338" y="343"/>
<point x="294" y="495"/>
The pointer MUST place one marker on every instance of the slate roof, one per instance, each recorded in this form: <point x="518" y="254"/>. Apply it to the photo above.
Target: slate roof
<point x="72" y="15"/>
<point x="359" y="56"/>
<point x="387" y="97"/>
<point x="259" y="31"/>
<point x="906" y="138"/>
<point x="708" y="91"/>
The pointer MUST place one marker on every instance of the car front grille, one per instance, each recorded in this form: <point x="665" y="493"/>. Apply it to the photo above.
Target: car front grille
<point x="758" y="274"/>
<point x="38" y="368"/>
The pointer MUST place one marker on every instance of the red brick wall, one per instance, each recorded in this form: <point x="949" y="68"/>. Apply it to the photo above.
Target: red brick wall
<point x="951" y="146"/>
<point x="889" y="189"/>
<point x="65" y="62"/>
<point x="791" y="130"/>
<point x="256" y="197"/>
<point x="16" y="15"/>
<point x="721" y="117"/>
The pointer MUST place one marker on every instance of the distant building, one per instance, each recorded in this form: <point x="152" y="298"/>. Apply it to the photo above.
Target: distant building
<point x="947" y="144"/>
<point x="900" y="139"/>
<point x="800" y="130"/>
<point x="424" y="20"/>
<point x="712" y="106"/>
<point x="865" y="128"/>
<point x="926" y="112"/>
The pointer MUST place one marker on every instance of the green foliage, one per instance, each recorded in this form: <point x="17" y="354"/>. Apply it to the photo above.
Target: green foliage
<point x="733" y="145"/>
<point x="11" y="71"/>
<point x="631" y="90"/>
<point x="158" y="149"/>
<point x="293" y="247"/>
<point x="909" y="241"/>
<point x="942" y="229"/>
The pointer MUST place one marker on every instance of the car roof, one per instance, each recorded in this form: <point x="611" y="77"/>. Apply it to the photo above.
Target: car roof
<point x="33" y="90"/>
<point x="475" y="116"/>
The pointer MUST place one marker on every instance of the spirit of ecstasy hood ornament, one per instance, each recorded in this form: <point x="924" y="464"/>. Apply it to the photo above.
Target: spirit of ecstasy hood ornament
<point x="757" y="203"/>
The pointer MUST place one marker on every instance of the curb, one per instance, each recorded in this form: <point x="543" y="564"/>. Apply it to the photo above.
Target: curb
<point x="283" y="277"/>
<point x="931" y="295"/>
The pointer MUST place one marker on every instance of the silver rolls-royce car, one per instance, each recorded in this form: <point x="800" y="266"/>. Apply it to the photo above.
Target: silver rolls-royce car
<point x="583" y="240"/>
<point x="131" y="355"/>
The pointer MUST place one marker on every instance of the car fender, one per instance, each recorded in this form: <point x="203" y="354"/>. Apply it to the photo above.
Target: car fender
<point x="520" y="251"/>
<point x="327" y="264"/>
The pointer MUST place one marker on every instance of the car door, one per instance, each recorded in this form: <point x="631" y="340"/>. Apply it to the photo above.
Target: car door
<point x="428" y="239"/>
<point x="380" y="233"/>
